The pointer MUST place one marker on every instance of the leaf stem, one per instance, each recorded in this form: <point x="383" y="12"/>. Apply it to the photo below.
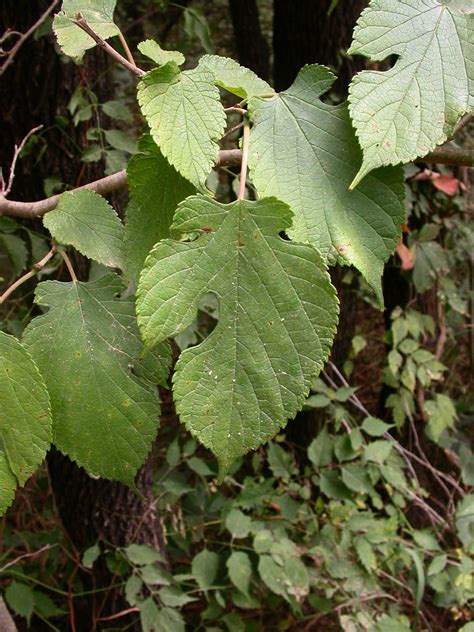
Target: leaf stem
<point x="68" y="263"/>
<point x="126" y="48"/>
<point x="29" y="275"/>
<point x="81" y="23"/>
<point x="245" y="158"/>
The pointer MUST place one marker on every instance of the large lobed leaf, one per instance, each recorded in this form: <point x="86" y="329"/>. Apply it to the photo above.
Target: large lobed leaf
<point x="278" y="314"/>
<point x="185" y="116"/>
<point x="304" y="152"/>
<point x="155" y="190"/>
<point x="86" y="220"/>
<point x="105" y="406"/>
<point x="98" y="14"/>
<point x="25" y="418"/>
<point x="406" y="111"/>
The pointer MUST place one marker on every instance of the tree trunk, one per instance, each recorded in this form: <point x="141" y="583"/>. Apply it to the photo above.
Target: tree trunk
<point x="303" y="33"/>
<point x="252" y="48"/>
<point x="34" y="90"/>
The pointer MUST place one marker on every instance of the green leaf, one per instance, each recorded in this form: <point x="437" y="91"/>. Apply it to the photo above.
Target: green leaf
<point x="149" y="616"/>
<point x="365" y="554"/>
<point x="356" y="477"/>
<point x="437" y="564"/>
<point x="204" y="568"/>
<point x="441" y="415"/>
<point x="465" y="522"/>
<point x="86" y="220"/>
<point x="174" y="597"/>
<point x="185" y="116"/>
<point x="117" y="110"/>
<point x="406" y="111"/>
<point x="375" y="427"/>
<point x="321" y="449"/>
<point x="196" y="26"/>
<point x="120" y="140"/>
<point x="17" y="251"/>
<point x="91" y="555"/>
<point x="238" y="524"/>
<point x="25" y="418"/>
<point x="155" y="190"/>
<point x="240" y="570"/>
<point x="305" y="153"/>
<point x="142" y="554"/>
<point x="21" y="599"/>
<point x="278" y="313"/>
<point x="332" y="486"/>
<point x="99" y="15"/>
<point x="85" y="346"/>
<point x="235" y="78"/>
<point x="280" y="461"/>
<point x="153" y="50"/>
<point x="153" y="575"/>
<point x="133" y="588"/>
<point x="378" y="451"/>
<point x="272" y="575"/>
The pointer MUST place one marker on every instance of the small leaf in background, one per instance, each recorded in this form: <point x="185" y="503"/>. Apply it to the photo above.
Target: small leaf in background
<point x="239" y="567"/>
<point x="205" y="567"/>
<point x="86" y="220"/>
<point x="25" y="418"/>
<point x="196" y="26"/>
<point x="168" y="97"/>
<point x="238" y="524"/>
<point x="447" y="184"/>
<point x="378" y="451"/>
<point x="17" y="251"/>
<point x="21" y="599"/>
<point x="320" y="450"/>
<point x="365" y="554"/>
<point x="149" y="616"/>
<point x="375" y="427"/>
<point x="153" y="50"/>
<point x="120" y="140"/>
<point x="280" y="461"/>
<point x="133" y="588"/>
<point x="465" y="522"/>
<point x="99" y="15"/>
<point x="272" y="575"/>
<point x="90" y="555"/>
<point x="141" y="554"/>
<point x="441" y="415"/>
<point x="437" y="564"/>
<point x="117" y="110"/>
<point x="174" y="597"/>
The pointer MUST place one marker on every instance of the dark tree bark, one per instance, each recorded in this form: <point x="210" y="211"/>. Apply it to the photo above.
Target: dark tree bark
<point x="251" y="46"/>
<point x="34" y="90"/>
<point x="303" y="33"/>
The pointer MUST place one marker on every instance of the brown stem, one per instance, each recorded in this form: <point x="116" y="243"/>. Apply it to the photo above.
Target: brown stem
<point x="114" y="182"/>
<point x="126" y="48"/>
<point x="68" y="263"/>
<point x="37" y="266"/>
<point x="245" y="158"/>
<point x="17" y="151"/>
<point x="81" y="23"/>
<point x="450" y="154"/>
<point x="24" y="36"/>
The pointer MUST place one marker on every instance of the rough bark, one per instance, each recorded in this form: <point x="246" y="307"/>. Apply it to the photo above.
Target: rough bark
<point x="251" y="46"/>
<point x="303" y="33"/>
<point x="35" y="90"/>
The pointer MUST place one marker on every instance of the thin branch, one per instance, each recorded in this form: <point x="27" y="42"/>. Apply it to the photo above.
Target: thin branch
<point x="245" y="158"/>
<point x="27" y="556"/>
<point x="81" y="23"/>
<point x="29" y="275"/>
<point x="450" y="154"/>
<point x="68" y="263"/>
<point x="16" y="153"/>
<point x="13" y="51"/>
<point x="126" y="48"/>
<point x="114" y="182"/>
